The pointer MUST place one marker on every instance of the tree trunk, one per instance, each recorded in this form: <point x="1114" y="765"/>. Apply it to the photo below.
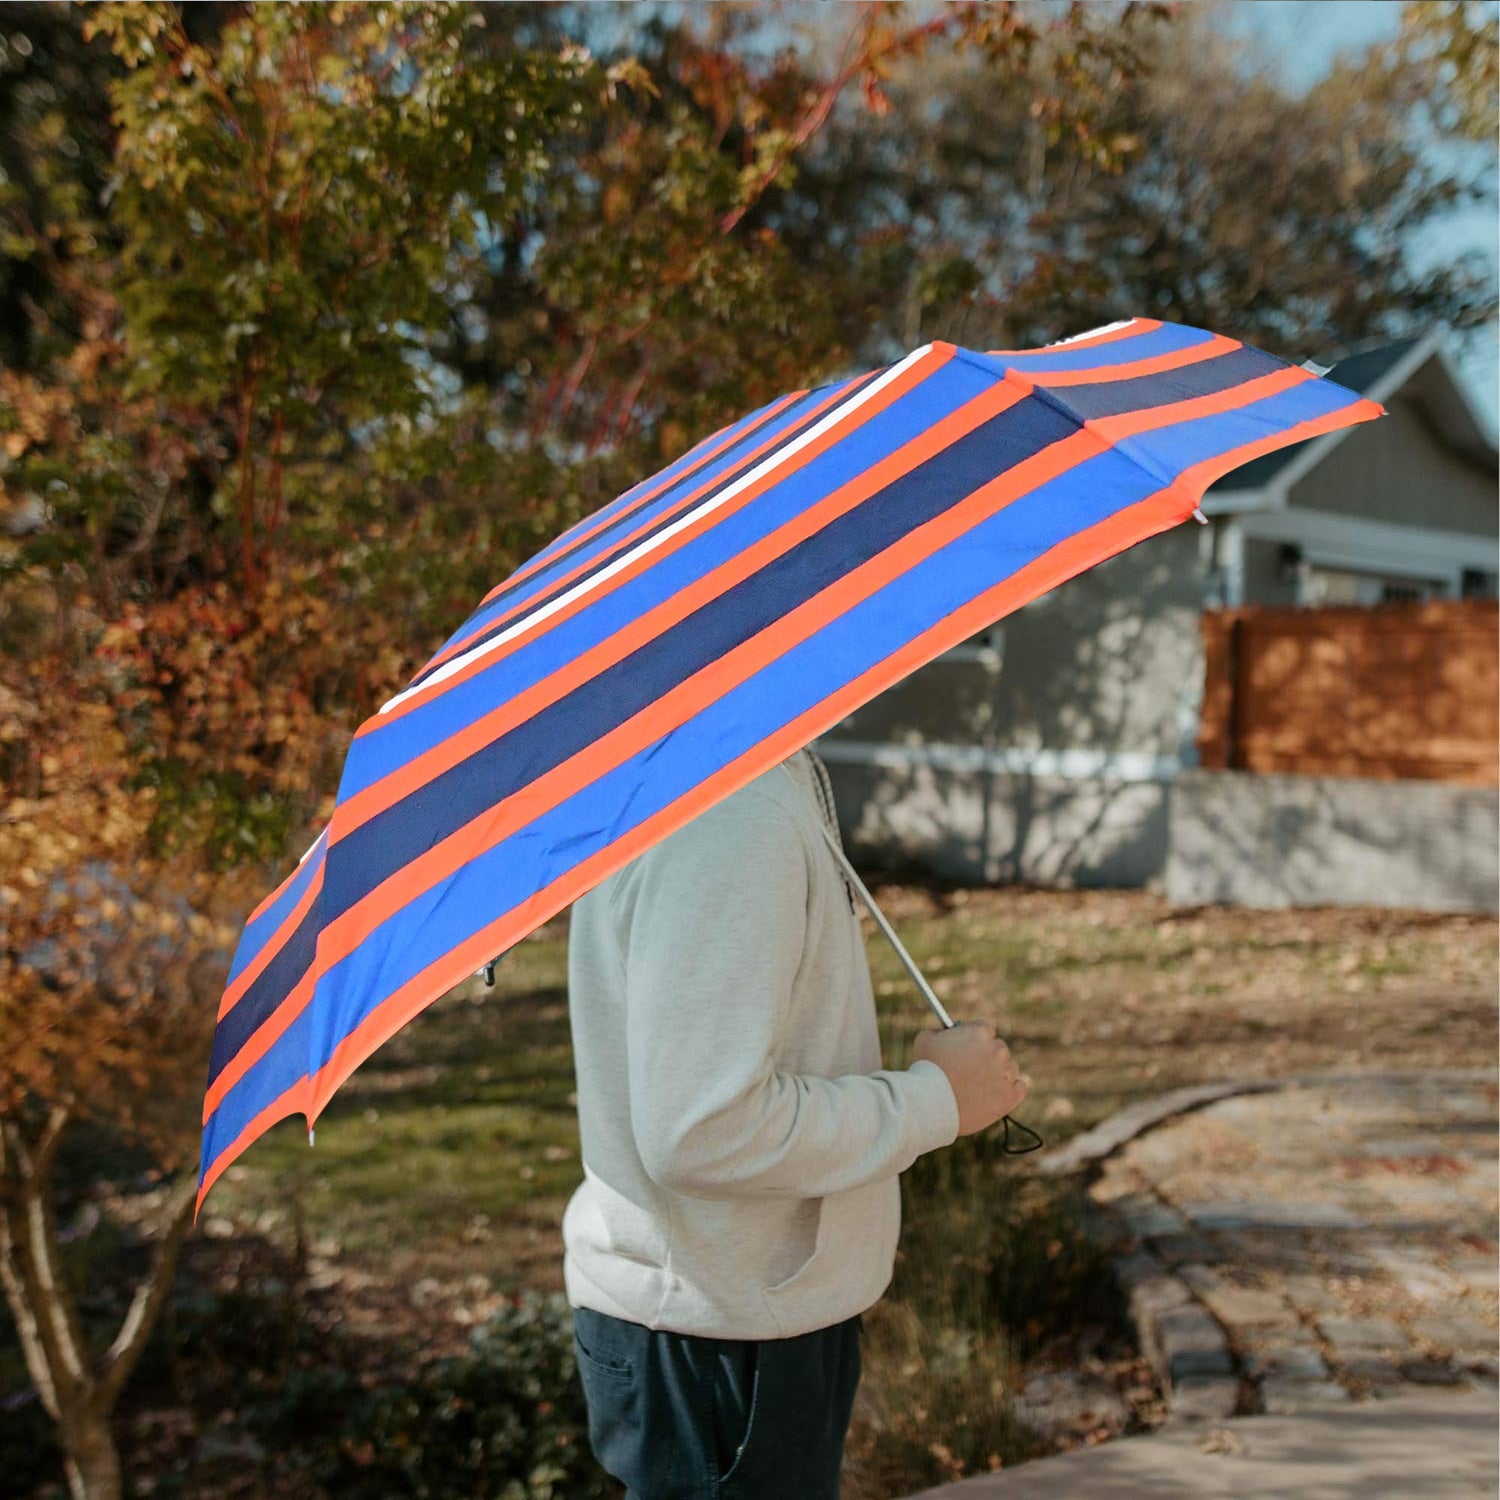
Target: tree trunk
<point x="92" y="1464"/>
<point x="78" y="1389"/>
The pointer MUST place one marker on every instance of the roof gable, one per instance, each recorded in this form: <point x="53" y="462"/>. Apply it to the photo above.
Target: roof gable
<point x="1376" y="373"/>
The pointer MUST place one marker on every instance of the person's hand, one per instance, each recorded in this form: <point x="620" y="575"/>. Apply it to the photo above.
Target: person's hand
<point x="986" y="1080"/>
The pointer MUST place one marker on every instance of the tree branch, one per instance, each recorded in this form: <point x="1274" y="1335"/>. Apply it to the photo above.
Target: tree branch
<point x="150" y="1295"/>
<point x="34" y="1344"/>
<point x="34" y="1286"/>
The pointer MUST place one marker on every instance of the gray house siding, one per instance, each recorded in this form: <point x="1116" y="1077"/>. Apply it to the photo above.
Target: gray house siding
<point x="1049" y="760"/>
<point x="1399" y="470"/>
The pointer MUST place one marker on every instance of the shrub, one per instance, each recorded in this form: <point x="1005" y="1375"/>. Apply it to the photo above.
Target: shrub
<point x="505" y="1421"/>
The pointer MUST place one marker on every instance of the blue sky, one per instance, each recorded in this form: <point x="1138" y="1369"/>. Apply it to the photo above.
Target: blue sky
<point x="1304" y="37"/>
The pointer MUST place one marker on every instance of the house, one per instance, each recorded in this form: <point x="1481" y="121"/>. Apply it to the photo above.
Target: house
<point x="1045" y="749"/>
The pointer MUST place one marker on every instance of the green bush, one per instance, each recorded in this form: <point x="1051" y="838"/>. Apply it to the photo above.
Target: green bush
<point x="505" y="1421"/>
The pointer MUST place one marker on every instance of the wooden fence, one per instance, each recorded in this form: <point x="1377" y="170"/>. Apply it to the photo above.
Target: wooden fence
<point x="1389" y="691"/>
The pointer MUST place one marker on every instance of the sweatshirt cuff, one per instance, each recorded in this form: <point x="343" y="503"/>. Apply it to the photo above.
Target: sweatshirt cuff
<point x="933" y="1105"/>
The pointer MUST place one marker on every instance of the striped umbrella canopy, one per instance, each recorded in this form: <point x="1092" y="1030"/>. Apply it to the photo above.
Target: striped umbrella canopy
<point x="698" y="630"/>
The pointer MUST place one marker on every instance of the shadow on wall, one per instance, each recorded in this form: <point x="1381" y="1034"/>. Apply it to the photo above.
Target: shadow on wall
<point x="1049" y="758"/>
<point x="1281" y="841"/>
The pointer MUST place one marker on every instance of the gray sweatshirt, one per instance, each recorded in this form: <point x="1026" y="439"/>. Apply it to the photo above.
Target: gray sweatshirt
<point x="741" y="1143"/>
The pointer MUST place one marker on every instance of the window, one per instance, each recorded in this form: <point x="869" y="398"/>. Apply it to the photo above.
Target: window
<point x="1346" y="586"/>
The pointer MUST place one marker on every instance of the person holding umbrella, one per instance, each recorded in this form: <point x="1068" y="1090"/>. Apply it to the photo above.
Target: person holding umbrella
<point x="620" y="726"/>
<point x="741" y="1146"/>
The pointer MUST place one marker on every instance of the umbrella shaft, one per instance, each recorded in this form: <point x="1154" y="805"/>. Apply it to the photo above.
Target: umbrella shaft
<point x="918" y="978"/>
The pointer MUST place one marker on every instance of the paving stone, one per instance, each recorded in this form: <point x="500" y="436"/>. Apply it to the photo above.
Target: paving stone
<point x="1362" y="1333"/>
<point x="1372" y="1368"/>
<point x="1154" y="1295"/>
<point x="1146" y="1215"/>
<point x="1279" y="1397"/>
<point x="1289" y="1361"/>
<point x="1204" y="1398"/>
<point x="1053" y="1403"/>
<point x="1430" y="1372"/>
<point x="1418" y="1275"/>
<point x="1244" y="1307"/>
<point x="1191" y="1343"/>
<point x="1310" y="1294"/>
<point x="1138" y="1265"/>
<point x="1202" y="1278"/>
<point x="1458" y="1335"/>
<point x="1479" y="1275"/>
<point x="1176" y="1249"/>
<point x="1275" y="1213"/>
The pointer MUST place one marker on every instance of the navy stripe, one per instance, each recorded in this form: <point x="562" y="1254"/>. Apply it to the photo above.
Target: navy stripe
<point x="272" y="985"/>
<point x="1112" y="396"/>
<point x="735" y="471"/>
<point x="400" y="834"/>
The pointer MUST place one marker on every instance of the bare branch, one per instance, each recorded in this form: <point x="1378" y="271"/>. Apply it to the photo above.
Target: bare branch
<point x="33" y="1341"/>
<point x="150" y="1294"/>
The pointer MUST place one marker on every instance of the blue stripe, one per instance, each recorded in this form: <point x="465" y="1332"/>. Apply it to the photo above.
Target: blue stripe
<point x="1206" y="377"/>
<point x="1167" y="339"/>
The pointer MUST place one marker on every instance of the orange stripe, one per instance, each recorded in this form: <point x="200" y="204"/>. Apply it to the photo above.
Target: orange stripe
<point x="527" y="569"/>
<point x="289" y="1103"/>
<point x="558" y="585"/>
<point x="406" y="779"/>
<point x="1075" y="555"/>
<point x="271" y="900"/>
<point x="274" y="944"/>
<point x="1156" y="365"/>
<point x="1134" y="329"/>
<point x="848" y="423"/>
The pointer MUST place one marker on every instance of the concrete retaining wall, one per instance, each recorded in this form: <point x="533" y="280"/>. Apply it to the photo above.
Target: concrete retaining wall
<point x="1279" y="841"/>
<point x="985" y="826"/>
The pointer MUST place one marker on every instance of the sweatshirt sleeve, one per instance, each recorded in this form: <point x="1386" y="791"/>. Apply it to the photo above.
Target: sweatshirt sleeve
<point x="711" y="925"/>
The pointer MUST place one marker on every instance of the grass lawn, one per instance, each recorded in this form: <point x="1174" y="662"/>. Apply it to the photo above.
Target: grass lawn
<point x="442" y="1168"/>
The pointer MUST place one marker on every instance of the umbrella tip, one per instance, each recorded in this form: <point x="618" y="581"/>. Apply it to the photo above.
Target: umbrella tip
<point x="311" y="1135"/>
<point x="1198" y="515"/>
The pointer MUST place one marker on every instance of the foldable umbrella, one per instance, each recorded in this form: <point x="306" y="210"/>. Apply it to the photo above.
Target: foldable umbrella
<point x="700" y="629"/>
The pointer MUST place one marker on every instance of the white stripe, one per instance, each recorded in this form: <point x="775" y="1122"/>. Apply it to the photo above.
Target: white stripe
<point x="650" y="543"/>
<point x="1103" y="328"/>
<point x="1066" y="765"/>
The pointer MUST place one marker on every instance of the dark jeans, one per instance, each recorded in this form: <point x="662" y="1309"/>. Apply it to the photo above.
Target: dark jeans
<point x="677" y="1417"/>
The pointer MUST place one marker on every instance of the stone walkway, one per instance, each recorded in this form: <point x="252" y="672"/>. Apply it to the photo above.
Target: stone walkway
<point x="1321" y="1242"/>
<point x="1312" y="1267"/>
<point x="1436" y="1447"/>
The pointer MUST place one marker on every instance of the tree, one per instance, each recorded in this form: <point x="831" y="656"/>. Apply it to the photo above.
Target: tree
<point x="1281" y="217"/>
<point x="350" y="309"/>
<point x="231" y="437"/>
<point x="172" y="692"/>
